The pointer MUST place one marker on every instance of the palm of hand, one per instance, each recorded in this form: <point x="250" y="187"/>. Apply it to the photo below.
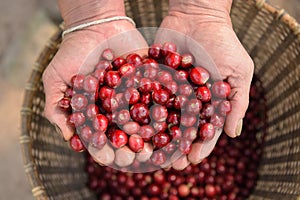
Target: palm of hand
<point x="79" y="53"/>
<point x="217" y="40"/>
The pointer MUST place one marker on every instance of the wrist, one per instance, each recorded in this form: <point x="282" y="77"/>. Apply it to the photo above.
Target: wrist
<point x="83" y="11"/>
<point x="213" y="9"/>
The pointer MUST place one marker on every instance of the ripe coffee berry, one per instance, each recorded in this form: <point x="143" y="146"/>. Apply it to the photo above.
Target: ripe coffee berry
<point x="155" y="51"/>
<point x="91" y="111"/>
<point x="158" y="157"/>
<point x="118" y="138"/>
<point x="207" y="131"/>
<point x="224" y="107"/>
<point x="90" y="84"/>
<point x="112" y="78"/>
<point x="168" y="47"/>
<point x="86" y="133"/>
<point x="104" y="64"/>
<point x="159" y="113"/>
<point x="132" y="96"/>
<point x="146" y="132"/>
<point x="76" y="119"/>
<point x="127" y="70"/>
<point x="136" y="143"/>
<point x="123" y="116"/>
<point x="160" y="96"/>
<point x="145" y="85"/>
<point x="185" y="146"/>
<point x="110" y="104"/>
<point x="98" y="140"/>
<point x="221" y="89"/>
<point x="118" y="62"/>
<point x="77" y="81"/>
<point x="64" y="104"/>
<point x="100" y="123"/>
<point x="108" y="54"/>
<point x="160" y="140"/>
<point x="105" y="92"/>
<point x="76" y="143"/>
<point x="164" y="77"/>
<point x="199" y="75"/>
<point x="79" y="102"/>
<point x="181" y="76"/>
<point x="175" y="132"/>
<point x="203" y="94"/>
<point x="139" y="112"/>
<point x="187" y="60"/>
<point x="173" y="60"/>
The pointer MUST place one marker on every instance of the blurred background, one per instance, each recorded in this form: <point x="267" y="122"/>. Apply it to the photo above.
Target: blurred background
<point x="25" y="26"/>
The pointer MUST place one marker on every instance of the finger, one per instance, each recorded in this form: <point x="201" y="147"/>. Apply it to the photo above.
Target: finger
<point x="54" y="91"/>
<point x="146" y="153"/>
<point x="239" y="99"/>
<point x="181" y="163"/>
<point x="59" y="120"/>
<point x="201" y="150"/>
<point x="104" y="156"/>
<point x="167" y="164"/>
<point x="124" y="156"/>
<point x="239" y="78"/>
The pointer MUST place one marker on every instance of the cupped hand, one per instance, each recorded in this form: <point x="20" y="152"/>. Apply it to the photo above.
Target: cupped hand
<point x="79" y="52"/>
<point x="211" y="39"/>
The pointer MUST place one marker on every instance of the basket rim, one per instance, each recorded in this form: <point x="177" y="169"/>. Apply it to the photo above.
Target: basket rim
<point x="279" y="14"/>
<point x="25" y="140"/>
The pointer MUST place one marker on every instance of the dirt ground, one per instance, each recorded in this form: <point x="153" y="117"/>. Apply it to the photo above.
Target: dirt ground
<point x="25" y="27"/>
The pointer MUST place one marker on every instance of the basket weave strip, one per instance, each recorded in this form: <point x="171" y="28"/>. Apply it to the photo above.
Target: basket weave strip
<point x="272" y="39"/>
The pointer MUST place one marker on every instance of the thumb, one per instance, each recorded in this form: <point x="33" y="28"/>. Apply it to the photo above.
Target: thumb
<point x="59" y="120"/>
<point x="54" y="91"/>
<point x="239" y="99"/>
<point x="202" y="149"/>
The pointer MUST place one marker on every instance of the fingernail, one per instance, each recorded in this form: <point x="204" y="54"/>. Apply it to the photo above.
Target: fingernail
<point x="58" y="130"/>
<point x="238" y="129"/>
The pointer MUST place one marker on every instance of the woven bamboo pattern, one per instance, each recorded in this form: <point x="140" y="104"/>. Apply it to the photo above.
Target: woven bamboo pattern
<point x="271" y="37"/>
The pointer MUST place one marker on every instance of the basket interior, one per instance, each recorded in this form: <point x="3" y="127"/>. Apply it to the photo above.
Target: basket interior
<point x="272" y="39"/>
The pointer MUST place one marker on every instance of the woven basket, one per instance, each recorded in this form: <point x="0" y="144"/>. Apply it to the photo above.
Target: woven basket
<point x="271" y="37"/>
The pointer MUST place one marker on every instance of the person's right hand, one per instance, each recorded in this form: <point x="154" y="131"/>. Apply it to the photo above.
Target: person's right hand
<point x="78" y="53"/>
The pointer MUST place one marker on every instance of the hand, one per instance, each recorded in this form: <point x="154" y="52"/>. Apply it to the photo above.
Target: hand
<point x="206" y="28"/>
<point x="79" y="53"/>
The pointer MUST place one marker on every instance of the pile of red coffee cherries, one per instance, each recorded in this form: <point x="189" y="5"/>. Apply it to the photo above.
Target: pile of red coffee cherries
<point x="148" y="107"/>
<point x="229" y="173"/>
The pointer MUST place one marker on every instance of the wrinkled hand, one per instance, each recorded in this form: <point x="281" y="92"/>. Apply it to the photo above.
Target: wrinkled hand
<point x="78" y="53"/>
<point x="214" y="35"/>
